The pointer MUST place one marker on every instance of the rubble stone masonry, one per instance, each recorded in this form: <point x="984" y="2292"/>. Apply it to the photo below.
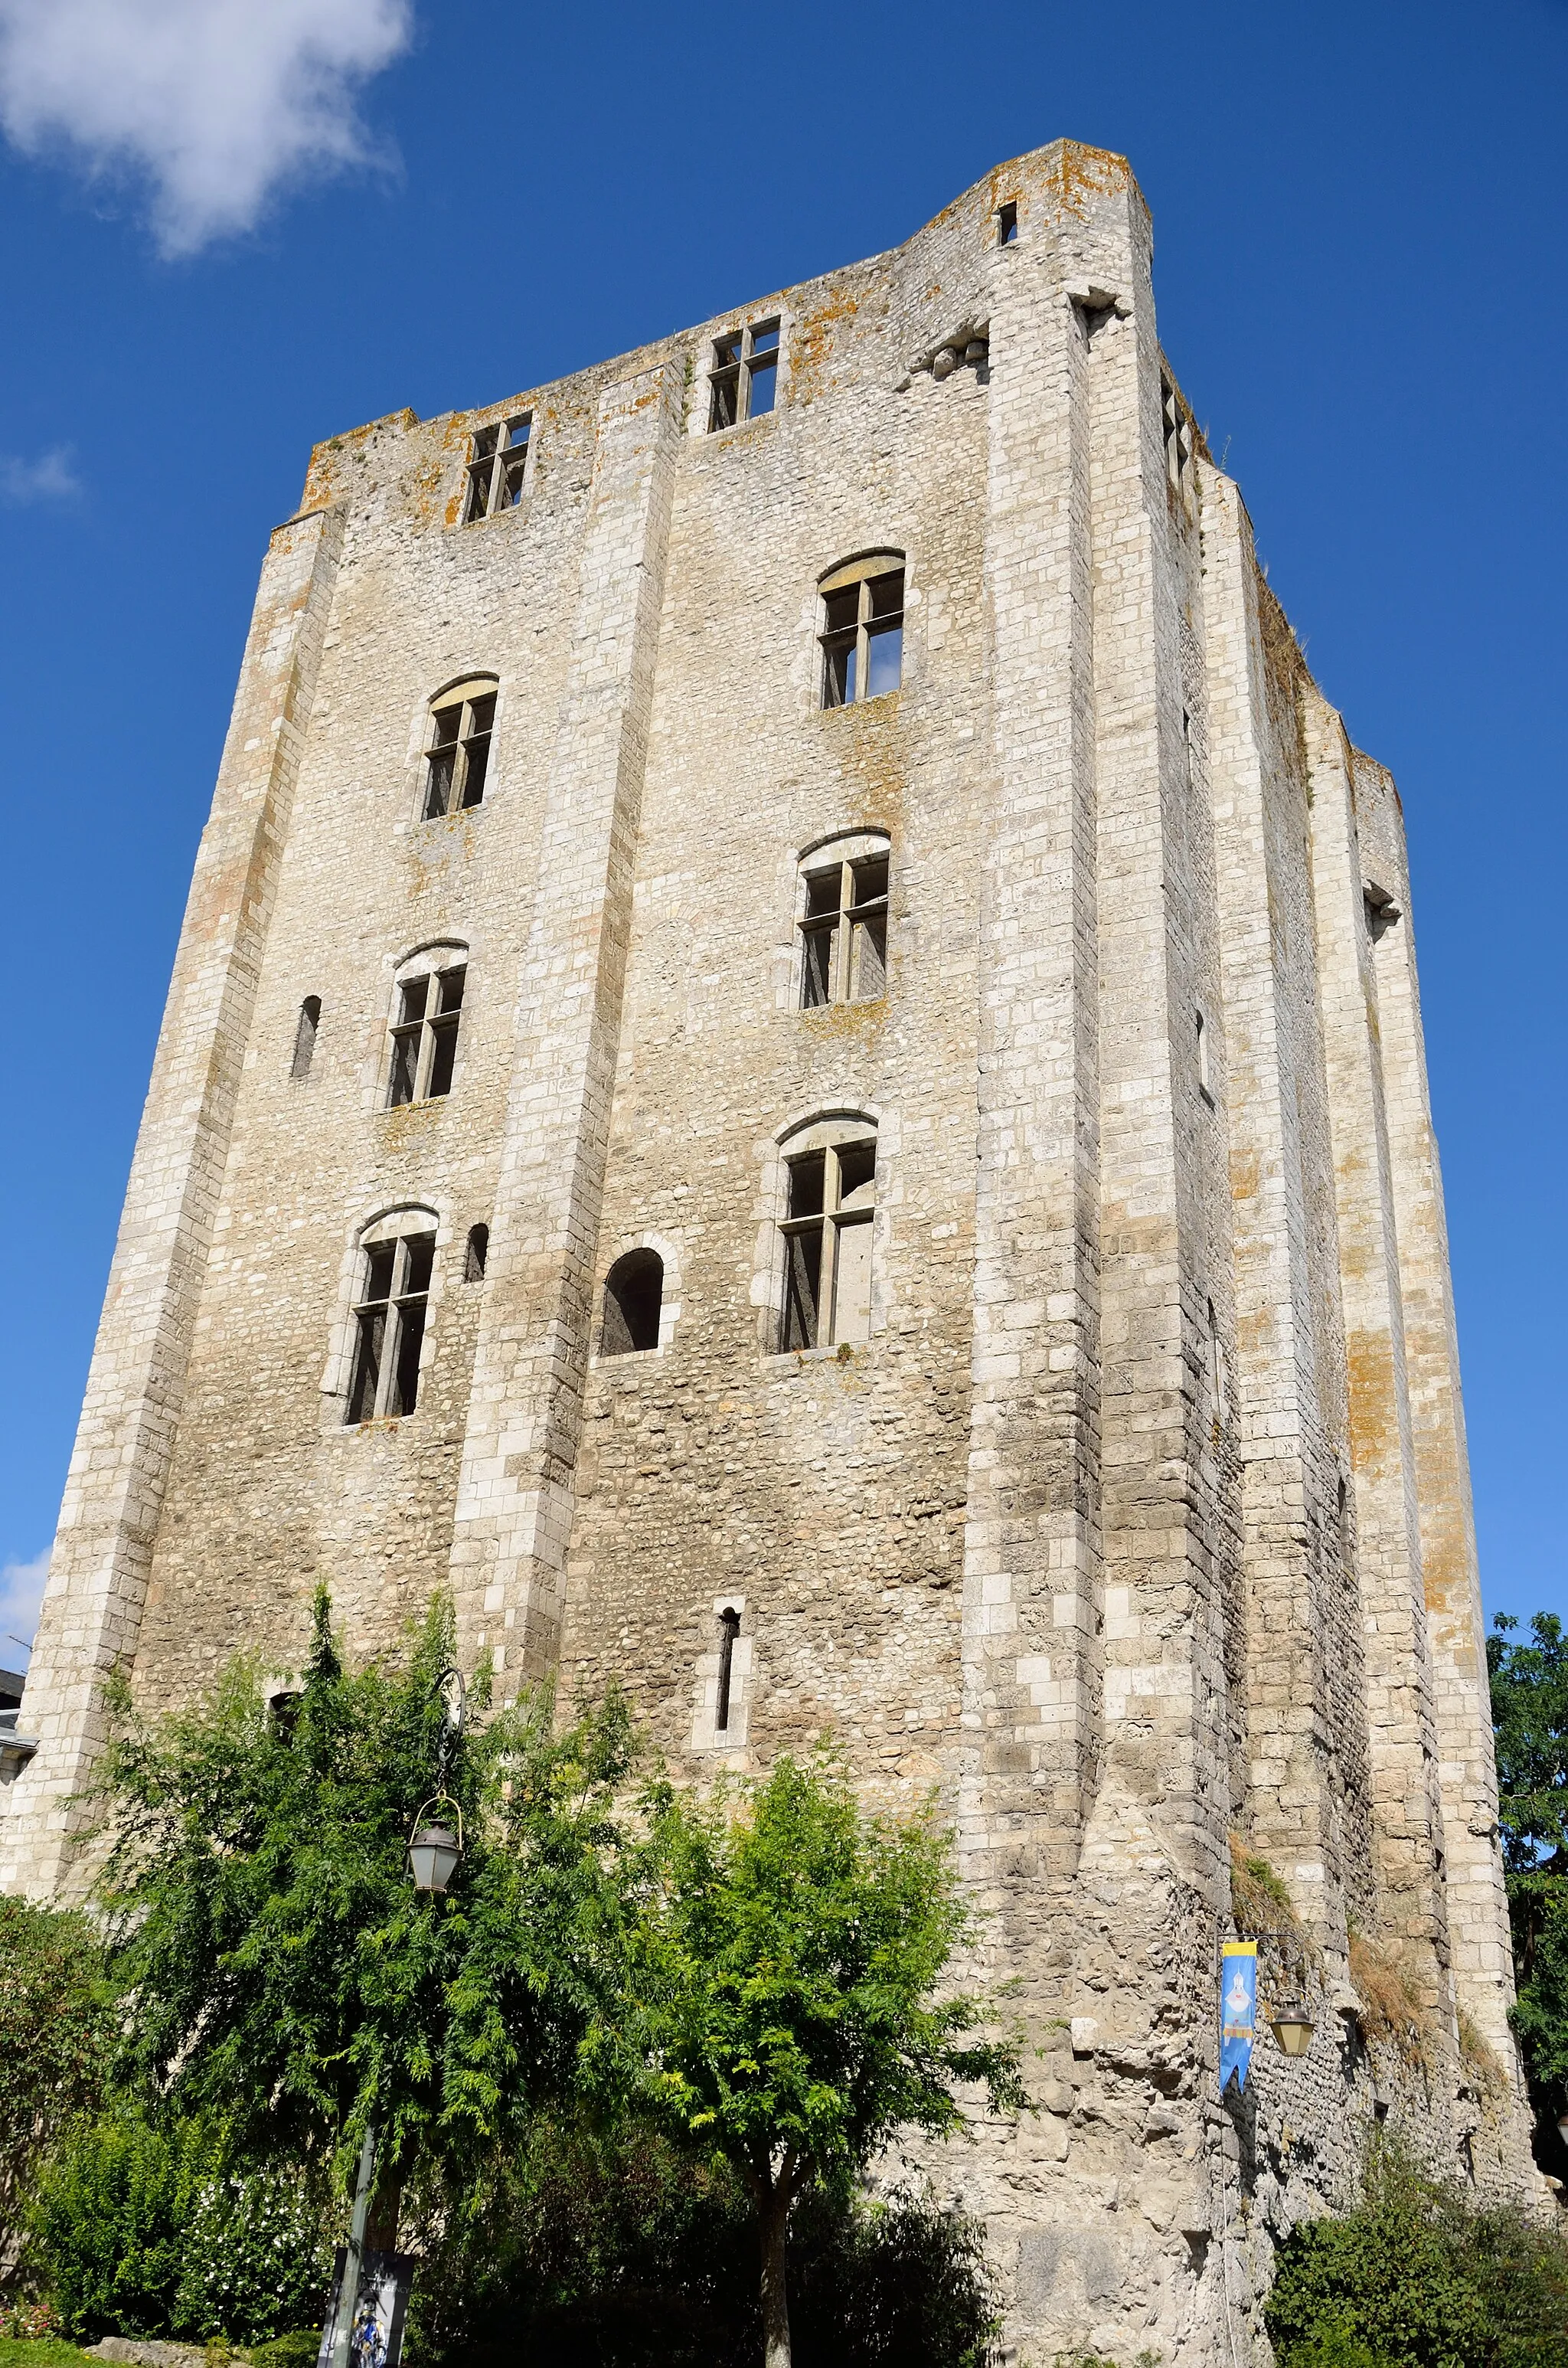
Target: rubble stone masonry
<point x="1136" y="1517"/>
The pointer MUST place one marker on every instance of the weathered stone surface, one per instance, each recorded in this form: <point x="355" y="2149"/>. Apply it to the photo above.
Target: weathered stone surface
<point x="1141" y="1516"/>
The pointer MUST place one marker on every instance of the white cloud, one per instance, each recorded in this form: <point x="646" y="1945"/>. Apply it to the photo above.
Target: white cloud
<point x="49" y="478"/>
<point x="21" y="1592"/>
<point x="217" y="102"/>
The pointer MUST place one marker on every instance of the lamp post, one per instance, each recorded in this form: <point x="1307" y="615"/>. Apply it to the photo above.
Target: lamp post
<point x="434" y="1849"/>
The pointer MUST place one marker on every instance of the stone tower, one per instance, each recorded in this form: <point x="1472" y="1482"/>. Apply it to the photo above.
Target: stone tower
<point x="795" y="1066"/>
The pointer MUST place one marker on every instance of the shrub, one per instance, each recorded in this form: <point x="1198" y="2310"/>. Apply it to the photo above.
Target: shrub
<point x="1416" y="2278"/>
<point x="56" y="2013"/>
<point x="299" y="2350"/>
<point x="144" y="2230"/>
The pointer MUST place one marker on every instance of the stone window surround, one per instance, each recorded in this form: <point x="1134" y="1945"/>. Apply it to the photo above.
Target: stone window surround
<point x="504" y="417"/>
<point x="705" y="1736"/>
<point x="844" y="847"/>
<point x="390" y="1219"/>
<point x="420" y="729"/>
<point x="830" y="1119"/>
<point x="626" y="1367"/>
<point x="469" y="750"/>
<point x="701" y="396"/>
<point x="430" y="954"/>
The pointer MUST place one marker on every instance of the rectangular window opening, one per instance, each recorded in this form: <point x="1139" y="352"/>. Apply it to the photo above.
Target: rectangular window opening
<point x="1007" y="222"/>
<point x="762" y="371"/>
<point x="497" y="469"/>
<point x="843" y="932"/>
<point x="729" y="1629"/>
<point x="425" y="1037"/>
<point x="862" y="639"/>
<point x="743" y="377"/>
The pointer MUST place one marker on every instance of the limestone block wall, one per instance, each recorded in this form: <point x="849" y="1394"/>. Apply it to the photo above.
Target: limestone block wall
<point x="1139" y="1518"/>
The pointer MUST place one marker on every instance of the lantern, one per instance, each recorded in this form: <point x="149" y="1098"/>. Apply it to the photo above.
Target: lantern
<point x="434" y="1847"/>
<point x="1293" y="2029"/>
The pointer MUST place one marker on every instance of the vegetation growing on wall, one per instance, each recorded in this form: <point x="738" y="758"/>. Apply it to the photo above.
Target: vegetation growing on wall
<point x="1413" y="2278"/>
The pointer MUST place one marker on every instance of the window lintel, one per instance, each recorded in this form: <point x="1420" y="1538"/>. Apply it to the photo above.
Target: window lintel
<point x="828" y="1128"/>
<point x="431" y="955"/>
<point x="393" y="1224"/>
<point x="844" y="847"/>
<point x="855" y="571"/>
<point x="471" y="686"/>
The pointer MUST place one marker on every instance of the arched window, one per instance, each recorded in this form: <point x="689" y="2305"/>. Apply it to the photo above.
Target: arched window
<point x="844" y="921"/>
<point x="861" y="628"/>
<point x="306" y="1038"/>
<point x="830" y="1201"/>
<point x="396" y="1258"/>
<point x="476" y="1253"/>
<point x="634" y="1296"/>
<point x="426" y="1014"/>
<point x="457" y="754"/>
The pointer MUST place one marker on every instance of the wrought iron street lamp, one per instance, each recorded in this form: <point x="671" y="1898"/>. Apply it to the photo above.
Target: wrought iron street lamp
<point x="435" y="1845"/>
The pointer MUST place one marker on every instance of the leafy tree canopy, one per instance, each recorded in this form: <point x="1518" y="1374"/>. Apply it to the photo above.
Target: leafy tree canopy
<point x="1529" y="1714"/>
<point x="1530" y="1717"/>
<point x="290" y="1983"/>
<point x="786" y="2010"/>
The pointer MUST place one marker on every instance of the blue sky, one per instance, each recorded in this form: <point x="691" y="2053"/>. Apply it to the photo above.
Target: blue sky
<point x="228" y="232"/>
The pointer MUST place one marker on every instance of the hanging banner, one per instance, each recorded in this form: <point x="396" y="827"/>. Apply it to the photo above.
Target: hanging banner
<point x="1238" y="2011"/>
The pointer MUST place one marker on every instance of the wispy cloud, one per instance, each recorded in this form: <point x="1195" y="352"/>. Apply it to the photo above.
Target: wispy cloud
<point x="49" y="478"/>
<point x="21" y="1592"/>
<point x="216" y="103"/>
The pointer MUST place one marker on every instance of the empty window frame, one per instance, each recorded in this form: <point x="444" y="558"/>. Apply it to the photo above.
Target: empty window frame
<point x="861" y="630"/>
<point x="743" y="379"/>
<point x="476" y="1253"/>
<point x="1007" y="223"/>
<point x="634" y="1299"/>
<point x="425" y="1036"/>
<point x="306" y="1038"/>
<point x="844" y="926"/>
<point x="495" y="472"/>
<point x="389" y="1326"/>
<point x="1178" y="430"/>
<point x="457" y="758"/>
<point x="830" y="1202"/>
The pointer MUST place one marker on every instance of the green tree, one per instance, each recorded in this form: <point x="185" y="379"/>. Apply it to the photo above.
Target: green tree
<point x="57" y="2013"/>
<point x="290" y="1984"/>
<point x="784" y="2009"/>
<point x="1530" y="1716"/>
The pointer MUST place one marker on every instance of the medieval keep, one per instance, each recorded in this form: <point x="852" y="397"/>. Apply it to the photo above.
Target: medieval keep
<point x="795" y="1066"/>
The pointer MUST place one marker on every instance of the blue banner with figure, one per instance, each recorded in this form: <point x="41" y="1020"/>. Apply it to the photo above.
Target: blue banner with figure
<point x="1238" y="2011"/>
